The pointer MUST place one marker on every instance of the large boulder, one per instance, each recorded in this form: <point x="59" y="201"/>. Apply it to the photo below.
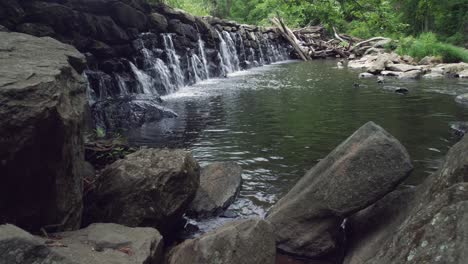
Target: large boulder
<point x="240" y="242"/>
<point x="220" y="183"/>
<point x="42" y="100"/>
<point x="151" y="187"/>
<point x="96" y="244"/>
<point x="426" y="225"/>
<point x="360" y="171"/>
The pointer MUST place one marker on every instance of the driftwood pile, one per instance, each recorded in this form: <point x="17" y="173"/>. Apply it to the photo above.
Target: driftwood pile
<point x="315" y="42"/>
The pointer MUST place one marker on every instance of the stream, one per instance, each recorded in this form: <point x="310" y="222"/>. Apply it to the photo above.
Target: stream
<point x="277" y="121"/>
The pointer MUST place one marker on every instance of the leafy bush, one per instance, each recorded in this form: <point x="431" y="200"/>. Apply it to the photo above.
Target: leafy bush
<point x="428" y="45"/>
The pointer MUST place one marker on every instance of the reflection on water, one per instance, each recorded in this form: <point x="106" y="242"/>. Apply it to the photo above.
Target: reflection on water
<point x="278" y="121"/>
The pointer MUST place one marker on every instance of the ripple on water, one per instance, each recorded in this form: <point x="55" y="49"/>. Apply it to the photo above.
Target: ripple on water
<point x="278" y="121"/>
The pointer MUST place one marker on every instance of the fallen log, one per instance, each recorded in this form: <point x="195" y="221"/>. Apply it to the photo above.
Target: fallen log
<point x="367" y="41"/>
<point x="292" y="39"/>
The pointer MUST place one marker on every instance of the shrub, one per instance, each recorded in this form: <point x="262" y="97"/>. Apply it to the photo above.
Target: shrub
<point x="428" y="45"/>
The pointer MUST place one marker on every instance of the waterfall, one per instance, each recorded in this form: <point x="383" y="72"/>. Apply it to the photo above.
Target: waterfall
<point x="201" y="47"/>
<point x="228" y="52"/>
<point x="146" y="82"/>
<point x="262" y="57"/>
<point x="174" y="60"/>
<point x="242" y="47"/>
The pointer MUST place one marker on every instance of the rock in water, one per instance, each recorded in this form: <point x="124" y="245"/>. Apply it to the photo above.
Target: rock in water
<point x="462" y="99"/>
<point x="429" y="226"/>
<point x="96" y="244"/>
<point x="360" y="171"/>
<point x="241" y="242"/>
<point x="42" y="100"/>
<point x="220" y="183"/>
<point x="150" y="187"/>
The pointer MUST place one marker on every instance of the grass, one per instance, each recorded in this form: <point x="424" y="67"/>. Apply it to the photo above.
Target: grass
<point x="428" y="45"/>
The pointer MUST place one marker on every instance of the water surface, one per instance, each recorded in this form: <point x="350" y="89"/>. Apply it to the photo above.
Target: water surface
<point x="277" y="121"/>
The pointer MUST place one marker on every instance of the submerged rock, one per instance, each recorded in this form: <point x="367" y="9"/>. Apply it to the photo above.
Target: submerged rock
<point x="429" y="227"/>
<point x="463" y="74"/>
<point x="42" y="100"/>
<point x="396" y="89"/>
<point x="129" y="112"/>
<point x="220" y="183"/>
<point x="150" y="187"/>
<point x="366" y="75"/>
<point x="462" y="99"/>
<point x="460" y="128"/>
<point x="248" y="241"/>
<point x="360" y="171"/>
<point x="96" y="244"/>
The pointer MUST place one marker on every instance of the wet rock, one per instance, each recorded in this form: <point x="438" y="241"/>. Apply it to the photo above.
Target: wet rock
<point x="159" y="22"/>
<point x="396" y="89"/>
<point x="150" y="187"/>
<point x="413" y="74"/>
<point x="183" y="29"/>
<point x="4" y="29"/>
<point x="20" y="247"/>
<point x="382" y="61"/>
<point x="463" y="74"/>
<point x="360" y="171"/>
<point x="42" y="100"/>
<point x="459" y="128"/>
<point x="430" y="60"/>
<point x="37" y="30"/>
<point x="366" y="75"/>
<point x="390" y="73"/>
<point x="429" y="228"/>
<point x="96" y="244"/>
<point x="375" y="224"/>
<point x="127" y="16"/>
<point x="462" y="99"/>
<point x="399" y="67"/>
<point x="450" y="69"/>
<point x="433" y="75"/>
<point x="220" y="183"/>
<point x="248" y="241"/>
<point x="380" y="79"/>
<point x="129" y="112"/>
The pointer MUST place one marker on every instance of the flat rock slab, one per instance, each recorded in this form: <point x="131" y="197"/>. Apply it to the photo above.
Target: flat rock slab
<point x="96" y="244"/>
<point x="248" y="241"/>
<point x="360" y="171"/>
<point x="151" y="187"/>
<point x="42" y="101"/>
<point x="220" y="184"/>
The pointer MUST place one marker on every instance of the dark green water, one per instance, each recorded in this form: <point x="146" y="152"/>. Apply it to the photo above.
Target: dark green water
<point x="277" y="121"/>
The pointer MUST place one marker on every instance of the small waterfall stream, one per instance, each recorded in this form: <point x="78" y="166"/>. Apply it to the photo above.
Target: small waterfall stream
<point x="163" y="64"/>
<point x="174" y="61"/>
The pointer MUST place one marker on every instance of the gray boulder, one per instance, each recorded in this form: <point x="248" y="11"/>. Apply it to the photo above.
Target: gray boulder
<point x="240" y="242"/>
<point x="412" y="74"/>
<point x="151" y="187"/>
<point x="220" y="183"/>
<point x="360" y="171"/>
<point x="42" y="100"/>
<point x="462" y="99"/>
<point x="428" y="226"/>
<point x="96" y="244"/>
<point x="366" y="75"/>
<point x="400" y="67"/>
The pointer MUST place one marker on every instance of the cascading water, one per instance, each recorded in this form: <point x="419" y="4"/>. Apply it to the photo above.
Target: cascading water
<point x="146" y="82"/>
<point x="201" y="47"/>
<point x="174" y="60"/>
<point x="228" y="53"/>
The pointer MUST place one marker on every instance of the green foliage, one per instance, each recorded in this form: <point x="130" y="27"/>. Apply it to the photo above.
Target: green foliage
<point x="100" y="132"/>
<point x="428" y="45"/>
<point x="361" y="18"/>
